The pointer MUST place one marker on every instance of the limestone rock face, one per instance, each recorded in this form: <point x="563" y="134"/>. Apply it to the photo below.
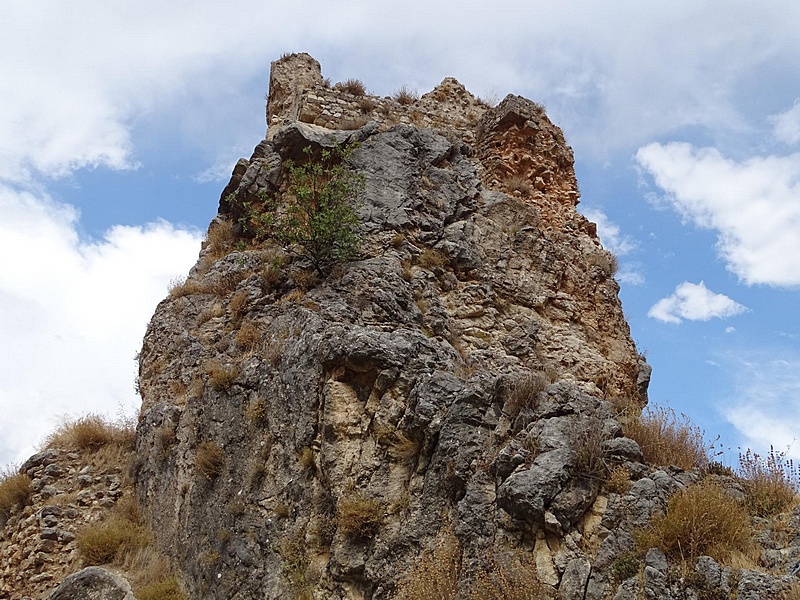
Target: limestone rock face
<point x="383" y="393"/>
<point x="316" y="434"/>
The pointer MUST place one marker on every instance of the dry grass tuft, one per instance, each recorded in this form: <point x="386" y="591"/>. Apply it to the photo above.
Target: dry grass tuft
<point x="404" y="449"/>
<point x="108" y="541"/>
<point x="523" y="393"/>
<point x="431" y="259"/>
<point x="248" y="337"/>
<point x="227" y="283"/>
<point x="586" y="439"/>
<point x="606" y="261"/>
<point x="181" y="286"/>
<point x="770" y="482"/>
<point x="355" y="87"/>
<point x="702" y="519"/>
<point x="209" y="460"/>
<point x="512" y="578"/>
<point x="619" y="480"/>
<point x="15" y="492"/>
<point x="518" y="183"/>
<point x="306" y="458"/>
<point x="256" y="411"/>
<point x="668" y="439"/>
<point x="358" y="515"/>
<point x="435" y="574"/>
<point x="219" y="239"/>
<point x="166" y="589"/>
<point x="304" y="279"/>
<point x="405" y="95"/>
<point x="221" y="377"/>
<point x="238" y="304"/>
<point x="92" y="432"/>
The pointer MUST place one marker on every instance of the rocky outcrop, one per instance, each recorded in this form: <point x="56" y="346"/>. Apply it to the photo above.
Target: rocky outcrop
<point x="438" y="417"/>
<point x="458" y="375"/>
<point x="38" y="543"/>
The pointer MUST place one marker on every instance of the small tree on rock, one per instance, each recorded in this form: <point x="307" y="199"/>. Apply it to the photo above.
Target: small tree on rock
<point x="319" y="211"/>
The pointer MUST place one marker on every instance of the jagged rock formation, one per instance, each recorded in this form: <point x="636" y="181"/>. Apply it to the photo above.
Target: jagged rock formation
<point x="393" y="386"/>
<point x="444" y="408"/>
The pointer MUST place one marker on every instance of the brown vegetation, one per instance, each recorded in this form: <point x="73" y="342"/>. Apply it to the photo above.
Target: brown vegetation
<point x="405" y="95"/>
<point x="209" y="460"/>
<point x="668" y="439"/>
<point x="702" y="519"/>
<point x="770" y="482"/>
<point x="358" y="515"/>
<point x="15" y="492"/>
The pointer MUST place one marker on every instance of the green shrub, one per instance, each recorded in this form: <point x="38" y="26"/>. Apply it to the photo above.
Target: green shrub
<point x="319" y="214"/>
<point x="316" y="214"/>
<point x="702" y="519"/>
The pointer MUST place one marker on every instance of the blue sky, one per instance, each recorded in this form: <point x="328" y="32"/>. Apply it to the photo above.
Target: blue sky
<point x="120" y="123"/>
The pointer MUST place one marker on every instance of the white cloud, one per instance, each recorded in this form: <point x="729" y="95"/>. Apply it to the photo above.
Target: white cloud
<point x="754" y="206"/>
<point x="694" y="302"/>
<point x="767" y="408"/>
<point x="629" y="275"/>
<point x="73" y="89"/>
<point x="787" y="125"/>
<point x="73" y="312"/>
<point x="610" y="234"/>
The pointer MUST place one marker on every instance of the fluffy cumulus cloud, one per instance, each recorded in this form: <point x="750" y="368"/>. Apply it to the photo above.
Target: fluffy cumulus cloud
<point x="73" y="312"/>
<point x="767" y="405"/>
<point x="694" y="302"/>
<point x="754" y="205"/>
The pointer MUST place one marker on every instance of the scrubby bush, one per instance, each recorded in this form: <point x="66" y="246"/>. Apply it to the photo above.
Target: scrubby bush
<point x="405" y="95"/>
<point x="352" y="86"/>
<point x="770" y="482"/>
<point x="15" y="491"/>
<point x="668" y="439"/>
<point x="435" y="574"/>
<point x="358" y="515"/>
<point x="92" y="432"/>
<point x="209" y="460"/>
<point x="702" y="519"/>
<point x="105" y="542"/>
<point x="317" y="212"/>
